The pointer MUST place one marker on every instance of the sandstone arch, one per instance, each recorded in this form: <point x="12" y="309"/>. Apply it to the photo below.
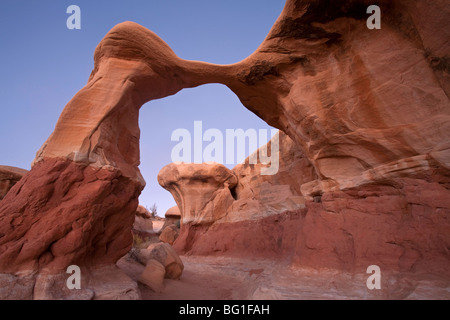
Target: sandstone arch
<point x="320" y="76"/>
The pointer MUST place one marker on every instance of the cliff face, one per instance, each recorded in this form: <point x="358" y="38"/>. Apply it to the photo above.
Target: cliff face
<point x="364" y="171"/>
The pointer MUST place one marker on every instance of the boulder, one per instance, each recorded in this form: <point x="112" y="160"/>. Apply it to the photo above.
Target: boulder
<point x="368" y="110"/>
<point x="172" y="216"/>
<point x="142" y="220"/>
<point x="142" y="224"/>
<point x="202" y="191"/>
<point x="56" y="225"/>
<point x="163" y="253"/>
<point x="169" y="234"/>
<point x="153" y="275"/>
<point x="141" y="211"/>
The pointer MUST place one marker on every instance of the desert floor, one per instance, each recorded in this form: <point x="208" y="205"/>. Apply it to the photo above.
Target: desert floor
<point x="226" y="278"/>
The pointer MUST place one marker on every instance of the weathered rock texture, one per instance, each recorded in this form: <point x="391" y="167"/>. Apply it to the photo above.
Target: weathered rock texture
<point x="207" y="195"/>
<point x="259" y="195"/>
<point x="362" y="104"/>
<point x="142" y="220"/>
<point x="169" y="234"/>
<point x="202" y="191"/>
<point x="369" y="110"/>
<point x="172" y="216"/>
<point x="9" y="176"/>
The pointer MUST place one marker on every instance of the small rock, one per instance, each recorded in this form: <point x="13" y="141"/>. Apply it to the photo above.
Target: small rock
<point x="153" y="275"/>
<point x="164" y="254"/>
<point x="169" y="234"/>
<point x="9" y="176"/>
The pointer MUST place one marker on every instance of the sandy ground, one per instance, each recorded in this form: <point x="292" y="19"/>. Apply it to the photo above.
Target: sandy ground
<point x="224" y="278"/>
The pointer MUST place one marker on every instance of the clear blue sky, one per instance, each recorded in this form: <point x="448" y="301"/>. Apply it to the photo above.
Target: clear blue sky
<point x="43" y="64"/>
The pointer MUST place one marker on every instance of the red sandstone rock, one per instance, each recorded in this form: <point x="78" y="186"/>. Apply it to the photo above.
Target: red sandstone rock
<point x="391" y="225"/>
<point x="169" y="234"/>
<point x="164" y="254"/>
<point x="202" y="191"/>
<point x="142" y="220"/>
<point x="257" y="195"/>
<point x="173" y="217"/>
<point x="354" y="99"/>
<point x="143" y="212"/>
<point x="153" y="275"/>
<point x="9" y="176"/>
<point x="73" y="214"/>
<point x="173" y="213"/>
<point x="142" y="224"/>
<point x="253" y="196"/>
<point x="367" y="108"/>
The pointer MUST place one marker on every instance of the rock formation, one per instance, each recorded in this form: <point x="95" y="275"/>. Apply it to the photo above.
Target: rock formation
<point x="9" y="176"/>
<point x="245" y="194"/>
<point x="367" y="109"/>
<point x="141" y="211"/>
<point x="171" y="228"/>
<point x="153" y="275"/>
<point x="142" y="220"/>
<point x="375" y="175"/>
<point x="161" y="261"/>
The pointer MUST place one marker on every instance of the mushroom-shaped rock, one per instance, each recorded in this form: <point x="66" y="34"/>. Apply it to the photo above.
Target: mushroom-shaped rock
<point x="202" y="191"/>
<point x="173" y="213"/>
<point x="364" y="107"/>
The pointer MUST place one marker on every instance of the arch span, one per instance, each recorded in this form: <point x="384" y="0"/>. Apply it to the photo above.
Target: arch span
<point x="321" y="76"/>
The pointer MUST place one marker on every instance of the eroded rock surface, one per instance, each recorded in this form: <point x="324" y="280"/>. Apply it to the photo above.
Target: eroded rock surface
<point x="172" y="216"/>
<point x="9" y="176"/>
<point x="169" y="234"/>
<point x="368" y="109"/>
<point x="202" y="191"/>
<point x="142" y="220"/>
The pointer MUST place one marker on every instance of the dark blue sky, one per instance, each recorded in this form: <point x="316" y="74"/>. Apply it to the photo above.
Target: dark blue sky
<point x="43" y="65"/>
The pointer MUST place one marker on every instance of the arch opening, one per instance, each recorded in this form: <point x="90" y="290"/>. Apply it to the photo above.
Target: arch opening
<point x="216" y="107"/>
